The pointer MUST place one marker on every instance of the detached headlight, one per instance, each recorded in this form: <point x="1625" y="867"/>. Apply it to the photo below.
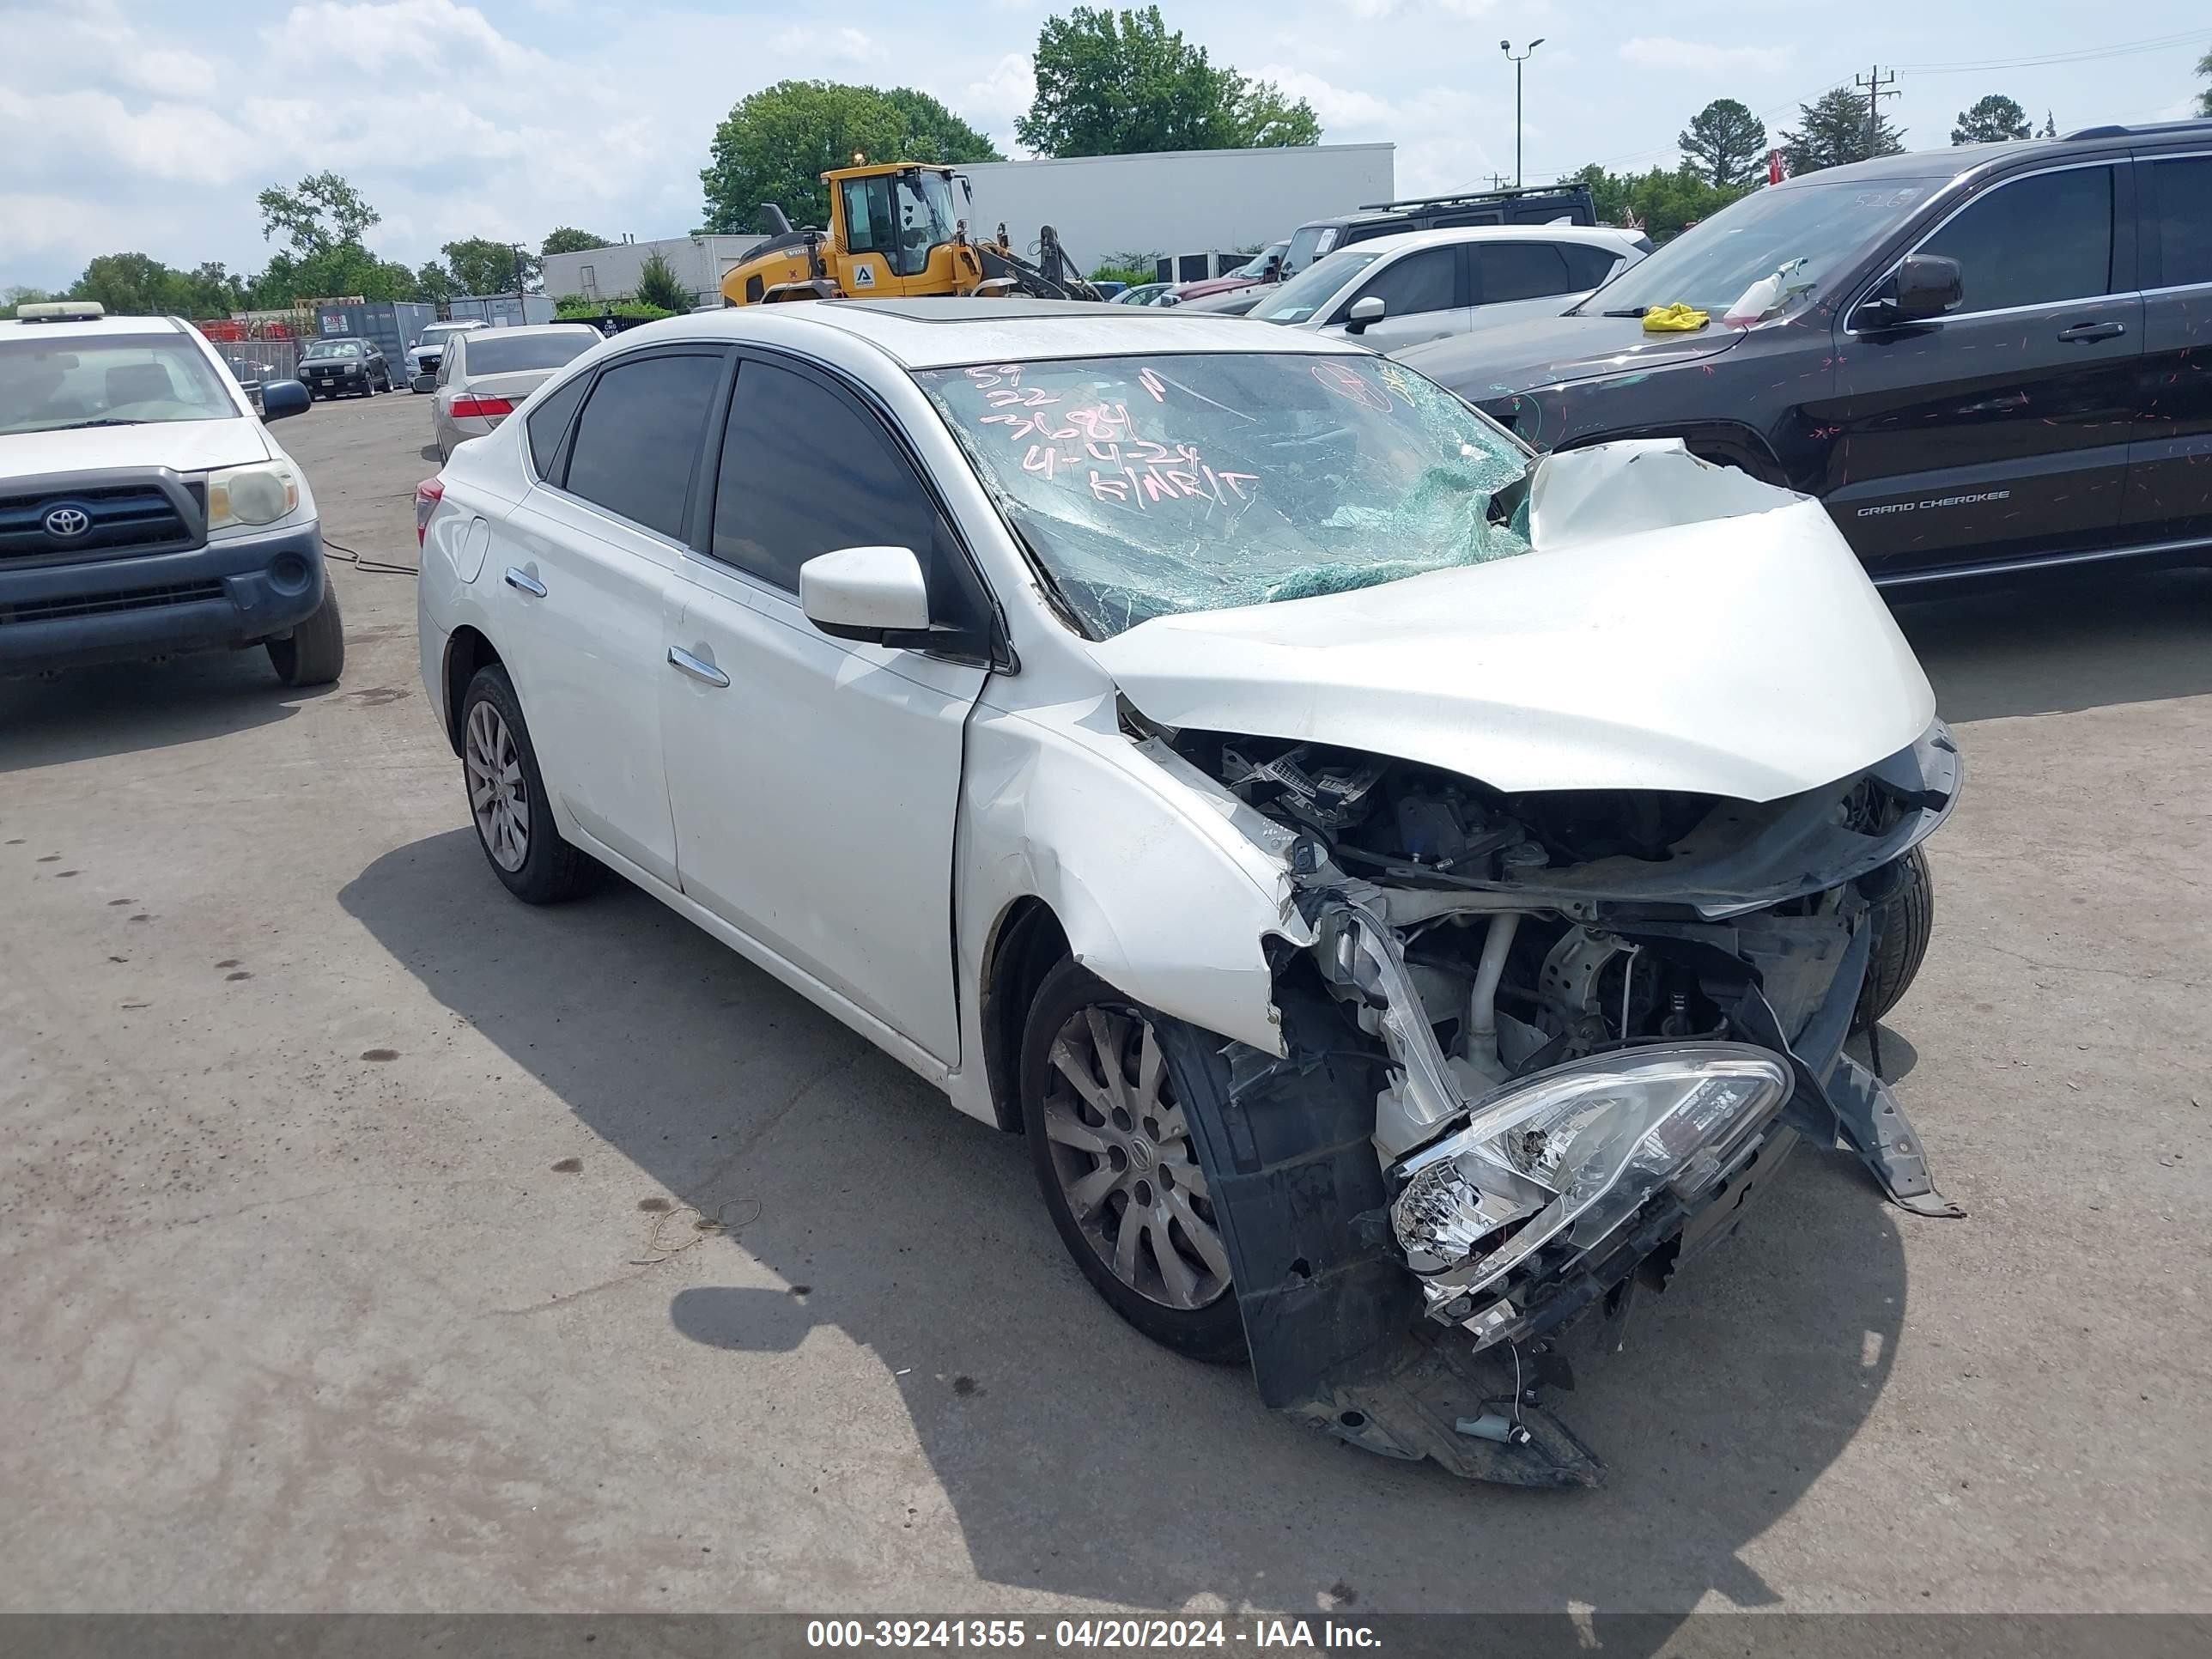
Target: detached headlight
<point x="256" y="494"/>
<point x="1575" y="1150"/>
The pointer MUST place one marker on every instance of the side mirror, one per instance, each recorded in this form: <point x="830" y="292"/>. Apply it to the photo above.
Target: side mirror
<point x="1371" y="309"/>
<point x="423" y="383"/>
<point x="279" y="399"/>
<point x="1925" y="286"/>
<point x="865" y="594"/>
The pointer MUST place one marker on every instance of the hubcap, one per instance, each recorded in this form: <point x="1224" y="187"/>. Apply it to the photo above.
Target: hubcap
<point x="498" y="795"/>
<point x="1121" y="1148"/>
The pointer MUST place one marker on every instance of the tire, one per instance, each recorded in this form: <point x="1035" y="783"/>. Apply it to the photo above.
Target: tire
<point x="1147" y="1185"/>
<point x="1904" y="919"/>
<point x="315" y="654"/>
<point x="548" y="869"/>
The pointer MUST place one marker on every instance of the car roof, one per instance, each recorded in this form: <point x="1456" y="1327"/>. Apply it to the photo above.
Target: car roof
<point x="78" y="328"/>
<point x="1941" y="165"/>
<point x="526" y="329"/>
<point x="945" y="333"/>
<point x="1605" y="236"/>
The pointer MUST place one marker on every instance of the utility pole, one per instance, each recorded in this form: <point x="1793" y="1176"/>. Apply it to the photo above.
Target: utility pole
<point x="1506" y="46"/>
<point x="1878" y="87"/>
<point x="1498" y="182"/>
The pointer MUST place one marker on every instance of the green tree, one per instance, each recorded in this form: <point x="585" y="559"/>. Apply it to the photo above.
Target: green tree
<point x="480" y="265"/>
<point x="776" y="145"/>
<point x="1834" y="129"/>
<point x="1117" y="84"/>
<point x="1724" y="141"/>
<point x="321" y="212"/>
<point x="657" y="285"/>
<point x="567" y="239"/>
<point x="20" y="295"/>
<point x="2050" y="125"/>
<point x="934" y="133"/>
<point x="130" y="285"/>
<point x="1991" y="118"/>
<point x="435" y="283"/>
<point x="2204" y="98"/>
<point x="1663" y="202"/>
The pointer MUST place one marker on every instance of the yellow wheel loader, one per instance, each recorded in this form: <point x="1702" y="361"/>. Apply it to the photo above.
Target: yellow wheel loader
<point x="894" y="231"/>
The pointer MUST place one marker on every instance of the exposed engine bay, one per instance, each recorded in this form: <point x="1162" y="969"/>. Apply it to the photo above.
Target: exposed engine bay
<point x="1579" y="1027"/>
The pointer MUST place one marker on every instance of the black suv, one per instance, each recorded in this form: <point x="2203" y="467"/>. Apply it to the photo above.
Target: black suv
<point x="1980" y="358"/>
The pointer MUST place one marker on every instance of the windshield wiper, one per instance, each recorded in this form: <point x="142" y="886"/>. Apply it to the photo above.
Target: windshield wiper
<point x="105" y="420"/>
<point x="1627" y="311"/>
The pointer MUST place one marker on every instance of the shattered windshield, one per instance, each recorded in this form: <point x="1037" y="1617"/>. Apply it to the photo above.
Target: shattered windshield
<point x="1800" y="235"/>
<point x="1146" y="486"/>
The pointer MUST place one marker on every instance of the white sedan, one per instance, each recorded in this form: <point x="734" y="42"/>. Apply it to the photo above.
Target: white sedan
<point x="1396" y="887"/>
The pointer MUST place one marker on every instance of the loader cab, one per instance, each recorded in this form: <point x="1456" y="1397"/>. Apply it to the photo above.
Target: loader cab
<point x="889" y="221"/>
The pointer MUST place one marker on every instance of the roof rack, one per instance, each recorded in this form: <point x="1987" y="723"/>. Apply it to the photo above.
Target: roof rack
<point x="1474" y="195"/>
<point x="2140" y="129"/>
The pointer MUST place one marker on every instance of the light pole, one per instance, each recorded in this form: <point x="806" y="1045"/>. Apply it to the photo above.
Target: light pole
<point x="1506" y="46"/>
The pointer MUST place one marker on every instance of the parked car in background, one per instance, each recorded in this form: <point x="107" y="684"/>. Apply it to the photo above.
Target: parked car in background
<point x="144" y="511"/>
<point x="1533" y="205"/>
<point x="939" y="657"/>
<point x="424" y="355"/>
<point x="332" y="369"/>
<point x="482" y="376"/>
<point x="1146" y="293"/>
<point x="1265" y="266"/>
<point x="1981" y="359"/>
<point x="1398" y="290"/>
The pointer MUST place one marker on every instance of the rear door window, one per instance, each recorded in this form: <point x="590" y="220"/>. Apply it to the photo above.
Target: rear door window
<point x="549" y="424"/>
<point x="2039" y="241"/>
<point x="1519" y="271"/>
<point x="1587" y="267"/>
<point x="2182" y="230"/>
<point x="637" y="441"/>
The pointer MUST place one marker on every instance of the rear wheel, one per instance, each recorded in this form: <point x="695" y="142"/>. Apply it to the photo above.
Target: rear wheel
<point x="1114" y="1160"/>
<point x="507" y="797"/>
<point x="315" y="654"/>
<point x="1904" y="920"/>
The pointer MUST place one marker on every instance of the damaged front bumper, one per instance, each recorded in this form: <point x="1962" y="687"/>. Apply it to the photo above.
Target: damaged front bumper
<point x="1411" y="1302"/>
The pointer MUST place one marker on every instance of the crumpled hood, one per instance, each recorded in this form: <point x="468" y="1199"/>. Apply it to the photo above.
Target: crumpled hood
<point x="181" y="445"/>
<point x="1677" y="626"/>
<point x="1493" y="363"/>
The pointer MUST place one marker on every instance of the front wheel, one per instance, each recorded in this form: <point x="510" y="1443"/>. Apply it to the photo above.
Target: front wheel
<point x="1903" y="921"/>
<point x="315" y="654"/>
<point x="1114" y="1159"/>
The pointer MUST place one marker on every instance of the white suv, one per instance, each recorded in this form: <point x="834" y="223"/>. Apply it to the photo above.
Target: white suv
<point x="144" y="510"/>
<point x="1393" y="291"/>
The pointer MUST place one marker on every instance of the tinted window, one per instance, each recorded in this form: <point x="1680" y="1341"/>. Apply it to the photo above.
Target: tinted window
<point x="1519" y="271"/>
<point x="1419" y="282"/>
<point x="1587" y="267"/>
<point x="502" y="353"/>
<point x="804" y="473"/>
<point x="2035" y="241"/>
<point x="638" y="436"/>
<point x="550" y="419"/>
<point x="2185" y="221"/>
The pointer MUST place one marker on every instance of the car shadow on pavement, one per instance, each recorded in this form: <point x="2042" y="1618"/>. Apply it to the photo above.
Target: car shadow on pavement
<point x="2056" y="644"/>
<point x="125" y="708"/>
<point x="1080" y="1459"/>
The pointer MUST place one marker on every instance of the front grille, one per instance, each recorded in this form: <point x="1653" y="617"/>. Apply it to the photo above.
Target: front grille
<point x="105" y="605"/>
<point x="137" y="518"/>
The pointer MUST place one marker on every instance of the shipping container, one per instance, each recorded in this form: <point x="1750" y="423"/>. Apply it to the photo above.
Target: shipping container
<point x="502" y="310"/>
<point x="393" y="325"/>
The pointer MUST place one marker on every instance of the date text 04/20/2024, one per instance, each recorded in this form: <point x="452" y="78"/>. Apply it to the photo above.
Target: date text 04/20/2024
<point x="1256" y="1635"/>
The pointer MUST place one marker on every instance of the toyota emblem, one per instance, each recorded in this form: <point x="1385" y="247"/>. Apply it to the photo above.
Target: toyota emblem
<point x="66" y="524"/>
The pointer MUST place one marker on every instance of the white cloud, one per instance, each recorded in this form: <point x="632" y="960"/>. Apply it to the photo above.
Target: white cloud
<point x="1338" y="107"/>
<point x="432" y="38"/>
<point x="847" y="46"/>
<point x="1658" y="51"/>
<point x="1006" y="91"/>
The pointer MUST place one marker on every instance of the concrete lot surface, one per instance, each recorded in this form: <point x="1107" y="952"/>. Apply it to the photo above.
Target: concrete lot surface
<point x="370" y="1241"/>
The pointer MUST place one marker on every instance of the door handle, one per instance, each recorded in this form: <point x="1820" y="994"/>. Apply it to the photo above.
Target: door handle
<point x="2081" y="331"/>
<point x="523" y="582"/>
<point x="683" y="662"/>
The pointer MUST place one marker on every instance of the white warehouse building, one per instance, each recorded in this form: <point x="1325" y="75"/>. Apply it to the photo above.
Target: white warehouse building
<point x="1169" y="202"/>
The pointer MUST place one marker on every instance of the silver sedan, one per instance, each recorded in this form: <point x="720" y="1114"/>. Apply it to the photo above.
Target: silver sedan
<point x="486" y="373"/>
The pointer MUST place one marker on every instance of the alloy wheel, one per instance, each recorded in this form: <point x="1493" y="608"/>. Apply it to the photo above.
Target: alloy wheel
<point x="1121" y="1149"/>
<point x="498" y="795"/>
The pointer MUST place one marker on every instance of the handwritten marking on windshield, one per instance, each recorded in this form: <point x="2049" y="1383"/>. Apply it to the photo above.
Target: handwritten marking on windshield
<point x="1150" y="382"/>
<point x="1348" y="385"/>
<point x="1100" y="439"/>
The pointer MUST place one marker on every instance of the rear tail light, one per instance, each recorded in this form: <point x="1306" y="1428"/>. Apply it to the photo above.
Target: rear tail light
<point x="480" y="407"/>
<point x="428" y="494"/>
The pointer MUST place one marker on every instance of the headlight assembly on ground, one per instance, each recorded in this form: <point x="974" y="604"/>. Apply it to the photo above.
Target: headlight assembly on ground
<point x="1573" y="1151"/>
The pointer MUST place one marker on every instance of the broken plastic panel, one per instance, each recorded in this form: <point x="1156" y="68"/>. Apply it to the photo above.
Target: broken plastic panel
<point x="1151" y="486"/>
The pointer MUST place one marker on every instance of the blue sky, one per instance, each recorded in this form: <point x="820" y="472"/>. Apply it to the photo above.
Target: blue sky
<point x="150" y="126"/>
